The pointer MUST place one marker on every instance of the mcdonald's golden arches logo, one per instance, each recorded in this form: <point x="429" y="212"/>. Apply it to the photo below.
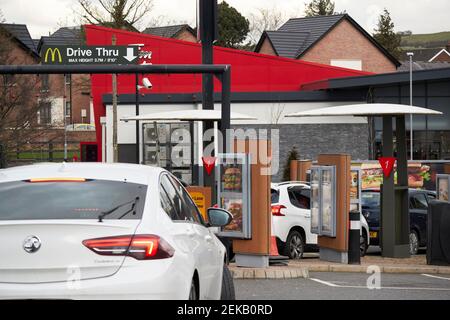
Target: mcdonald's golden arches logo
<point x="54" y="53"/>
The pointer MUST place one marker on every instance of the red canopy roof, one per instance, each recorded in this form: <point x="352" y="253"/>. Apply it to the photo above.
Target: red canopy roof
<point x="251" y="72"/>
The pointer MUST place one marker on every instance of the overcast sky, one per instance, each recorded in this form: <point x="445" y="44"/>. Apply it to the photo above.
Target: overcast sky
<point x="419" y="16"/>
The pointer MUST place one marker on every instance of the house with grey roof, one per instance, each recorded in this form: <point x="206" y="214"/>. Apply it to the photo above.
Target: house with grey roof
<point x="429" y="55"/>
<point x="62" y="37"/>
<point x="336" y="40"/>
<point x="20" y="34"/>
<point x="180" y="32"/>
<point x="71" y="93"/>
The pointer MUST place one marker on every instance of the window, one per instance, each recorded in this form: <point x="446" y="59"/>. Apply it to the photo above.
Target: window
<point x="67" y="79"/>
<point x="23" y="200"/>
<point x="188" y="206"/>
<point x="274" y="196"/>
<point x="370" y="199"/>
<point x="8" y="80"/>
<point x="418" y="202"/>
<point x="349" y="64"/>
<point x="170" y="199"/>
<point x="44" y="82"/>
<point x="68" y="110"/>
<point x="167" y="204"/>
<point x="300" y="197"/>
<point x="45" y="113"/>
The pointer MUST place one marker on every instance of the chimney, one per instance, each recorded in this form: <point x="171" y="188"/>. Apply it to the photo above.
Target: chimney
<point x="448" y="46"/>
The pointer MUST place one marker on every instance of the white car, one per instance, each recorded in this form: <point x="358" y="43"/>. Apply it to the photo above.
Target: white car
<point x="291" y="216"/>
<point x="98" y="231"/>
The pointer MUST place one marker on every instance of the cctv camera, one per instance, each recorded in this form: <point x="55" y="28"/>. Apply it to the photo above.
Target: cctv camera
<point x="147" y="84"/>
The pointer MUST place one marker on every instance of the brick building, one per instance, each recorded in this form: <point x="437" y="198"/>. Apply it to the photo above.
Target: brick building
<point x="19" y="49"/>
<point x="71" y="93"/>
<point x="46" y="141"/>
<point x="335" y="40"/>
<point x="443" y="55"/>
<point x="23" y="47"/>
<point x="429" y="55"/>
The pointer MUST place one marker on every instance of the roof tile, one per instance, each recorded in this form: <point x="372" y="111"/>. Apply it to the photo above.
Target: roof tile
<point x="21" y="33"/>
<point x="167" y="31"/>
<point x="317" y="27"/>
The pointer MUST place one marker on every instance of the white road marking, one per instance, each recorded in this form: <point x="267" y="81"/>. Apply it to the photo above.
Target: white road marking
<point x="436" y="277"/>
<point x="326" y="283"/>
<point x="330" y="284"/>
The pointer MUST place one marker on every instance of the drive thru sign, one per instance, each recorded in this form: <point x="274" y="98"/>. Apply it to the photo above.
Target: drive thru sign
<point x="72" y="55"/>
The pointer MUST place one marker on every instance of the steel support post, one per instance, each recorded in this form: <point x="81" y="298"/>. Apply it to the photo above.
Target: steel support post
<point x="387" y="215"/>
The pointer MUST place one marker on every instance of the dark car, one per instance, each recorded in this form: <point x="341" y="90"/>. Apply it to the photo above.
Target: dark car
<point x="418" y="208"/>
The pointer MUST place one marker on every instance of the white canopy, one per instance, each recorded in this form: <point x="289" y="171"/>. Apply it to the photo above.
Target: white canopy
<point x="187" y="115"/>
<point x="365" y="110"/>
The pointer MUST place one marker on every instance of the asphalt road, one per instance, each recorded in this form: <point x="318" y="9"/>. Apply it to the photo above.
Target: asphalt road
<point x="346" y="286"/>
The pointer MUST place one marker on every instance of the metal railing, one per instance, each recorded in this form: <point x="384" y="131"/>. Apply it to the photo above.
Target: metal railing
<point x="37" y="152"/>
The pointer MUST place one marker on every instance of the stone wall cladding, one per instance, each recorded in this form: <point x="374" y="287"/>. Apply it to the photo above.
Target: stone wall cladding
<point x="314" y="139"/>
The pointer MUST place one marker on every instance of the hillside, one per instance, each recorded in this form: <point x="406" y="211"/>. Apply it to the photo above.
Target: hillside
<point x="432" y="40"/>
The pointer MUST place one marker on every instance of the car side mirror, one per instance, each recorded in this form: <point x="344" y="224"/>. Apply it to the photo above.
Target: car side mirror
<point x="219" y="217"/>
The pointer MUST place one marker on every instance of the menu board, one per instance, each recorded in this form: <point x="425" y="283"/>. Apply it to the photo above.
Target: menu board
<point x="323" y="201"/>
<point x="420" y="175"/>
<point x="315" y="201"/>
<point x="168" y="145"/>
<point x="327" y="201"/>
<point x="355" y="189"/>
<point x="233" y="180"/>
<point x="234" y="206"/>
<point x="442" y="188"/>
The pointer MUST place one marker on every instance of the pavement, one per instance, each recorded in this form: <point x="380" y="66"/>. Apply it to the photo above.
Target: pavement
<point x="311" y="263"/>
<point x="347" y="286"/>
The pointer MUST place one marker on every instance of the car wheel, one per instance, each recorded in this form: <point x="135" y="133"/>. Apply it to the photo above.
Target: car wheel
<point x="363" y="246"/>
<point x="413" y="243"/>
<point x="295" y="245"/>
<point x="193" y="292"/>
<point x="228" y="292"/>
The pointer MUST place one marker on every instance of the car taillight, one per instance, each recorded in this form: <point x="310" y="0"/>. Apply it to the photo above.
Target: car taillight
<point x="276" y="210"/>
<point x="140" y="247"/>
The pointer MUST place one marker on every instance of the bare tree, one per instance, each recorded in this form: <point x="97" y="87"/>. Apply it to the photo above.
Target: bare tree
<point x="20" y="102"/>
<point x="118" y="14"/>
<point x="276" y="113"/>
<point x="264" y="19"/>
<point x="164" y="20"/>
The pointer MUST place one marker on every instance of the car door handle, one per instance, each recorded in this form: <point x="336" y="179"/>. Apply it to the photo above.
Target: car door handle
<point x="209" y="239"/>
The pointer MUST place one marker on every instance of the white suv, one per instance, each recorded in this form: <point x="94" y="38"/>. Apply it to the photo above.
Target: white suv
<point x="291" y="217"/>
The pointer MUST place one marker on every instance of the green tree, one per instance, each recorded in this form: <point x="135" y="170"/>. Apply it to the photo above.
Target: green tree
<point x="319" y="8"/>
<point x="386" y="36"/>
<point x="293" y="155"/>
<point x="233" y="27"/>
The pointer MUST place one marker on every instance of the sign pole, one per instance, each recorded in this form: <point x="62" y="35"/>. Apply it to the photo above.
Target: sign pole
<point x="208" y="30"/>
<point x="65" y="118"/>
<point x="114" y="101"/>
<point x="138" y="160"/>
